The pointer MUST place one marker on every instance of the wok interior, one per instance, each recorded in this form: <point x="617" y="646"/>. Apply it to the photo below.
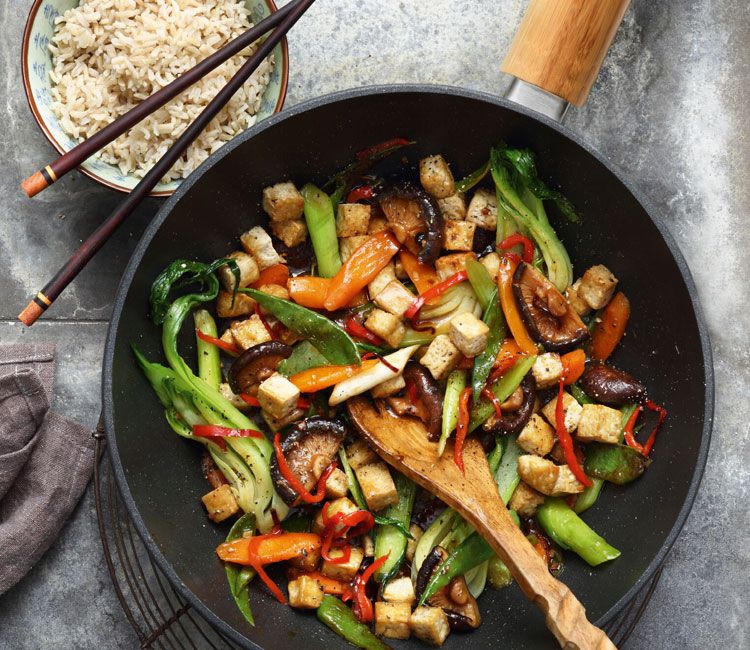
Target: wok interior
<point x="662" y="346"/>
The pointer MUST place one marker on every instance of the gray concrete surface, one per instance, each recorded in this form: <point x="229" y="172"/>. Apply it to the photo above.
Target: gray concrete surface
<point x="669" y="108"/>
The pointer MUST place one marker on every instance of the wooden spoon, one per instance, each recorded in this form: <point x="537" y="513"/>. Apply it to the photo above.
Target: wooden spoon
<point x="403" y="443"/>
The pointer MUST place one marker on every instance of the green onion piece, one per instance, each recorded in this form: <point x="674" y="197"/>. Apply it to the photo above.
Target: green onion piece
<point x="321" y="223"/>
<point x="483" y="362"/>
<point x="588" y="497"/>
<point x="481" y="282"/>
<point x="473" y="179"/>
<point x="453" y="388"/>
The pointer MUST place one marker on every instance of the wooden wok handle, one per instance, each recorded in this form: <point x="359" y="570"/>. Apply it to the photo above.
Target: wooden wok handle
<point x="561" y="44"/>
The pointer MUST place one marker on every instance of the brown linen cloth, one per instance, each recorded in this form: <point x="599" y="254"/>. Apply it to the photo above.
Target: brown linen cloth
<point x="46" y="460"/>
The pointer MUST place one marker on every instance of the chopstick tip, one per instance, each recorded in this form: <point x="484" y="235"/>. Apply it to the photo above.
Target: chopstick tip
<point x="35" y="184"/>
<point x="31" y="313"/>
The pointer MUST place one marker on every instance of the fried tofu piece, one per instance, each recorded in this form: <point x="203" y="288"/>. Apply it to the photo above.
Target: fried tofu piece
<point x="360" y="454"/>
<point x="468" y="334"/>
<point x="337" y="485"/>
<point x="571" y="408"/>
<point x="525" y="500"/>
<point x="377" y="224"/>
<point x="247" y="267"/>
<point x="436" y="177"/>
<point x="453" y="207"/>
<point x="228" y="306"/>
<point x="292" y="233"/>
<point x="347" y="245"/>
<point x="449" y="265"/>
<point x="394" y="298"/>
<point x="483" y="209"/>
<point x="392" y="620"/>
<point x="399" y="590"/>
<point x="491" y="262"/>
<point x="458" y="235"/>
<point x="283" y="202"/>
<point x="353" y="219"/>
<point x="305" y="593"/>
<point x="257" y="242"/>
<point x="344" y="505"/>
<point x="411" y="545"/>
<point x="250" y="332"/>
<point x="430" y="624"/>
<point x="307" y="561"/>
<point x="441" y="357"/>
<point x="389" y="387"/>
<point x="547" y="369"/>
<point x="344" y="571"/>
<point x="599" y="423"/>
<point x="377" y="485"/>
<point x="537" y="437"/>
<point x="579" y="305"/>
<point x="597" y="286"/>
<point x="220" y="503"/>
<point x="387" y="326"/>
<point x="278" y="396"/>
<point x="381" y="280"/>
<point x="546" y="477"/>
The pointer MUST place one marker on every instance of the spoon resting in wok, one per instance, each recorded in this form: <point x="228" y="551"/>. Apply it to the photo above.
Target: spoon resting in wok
<point x="403" y="443"/>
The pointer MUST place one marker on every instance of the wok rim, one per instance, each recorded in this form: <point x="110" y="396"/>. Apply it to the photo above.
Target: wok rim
<point x="395" y="89"/>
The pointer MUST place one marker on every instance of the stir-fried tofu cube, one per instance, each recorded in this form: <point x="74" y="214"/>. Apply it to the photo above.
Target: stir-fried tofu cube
<point x="399" y="590"/>
<point x="392" y="620"/>
<point x="547" y="369"/>
<point x="381" y="280"/>
<point x="343" y="505"/>
<point x="394" y="298"/>
<point x="525" y="500"/>
<point x="430" y="624"/>
<point x="250" y="332"/>
<point x="309" y="560"/>
<point x="468" y="334"/>
<point x="292" y="233"/>
<point x="257" y="242"/>
<point x="483" y="209"/>
<point x="579" y="305"/>
<point x="346" y="570"/>
<point x="228" y="306"/>
<point x="235" y="400"/>
<point x="359" y="454"/>
<point x="449" y="265"/>
<point x="453" y="207"/>
<point x="305" y="593"/>
<point x="571" y="408"/>
<point x="275" y="290"/>
<point x="441" y="356"/>
<point x="278" y="395"/>
<point x="283" y="202"/>
<point x="599" y="423"/>
<point x="352" y="219"/>
<point x="387" y="326"/>
<point x="537" y="437"/>
<point x="337" y="485"/>
<point x="411" y="545"/>
<point x="246" y="265"/>
<point x="220" y="503"/>
<point x="377" y="485"/>
<point x="458" y="235"/>
<point x="546" y="477"/>
<point x="491" y="262"/>
<point x="347" y="245"/>
<point x="377" y="224"/>
<point x="597" y="286"/>
<point x="436" y="177"/>
<point x="389" y="387"/>
<point x="368" y="546"/>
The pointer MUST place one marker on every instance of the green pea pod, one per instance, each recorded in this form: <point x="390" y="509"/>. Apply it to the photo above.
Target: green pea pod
<point x="239" y="577"/>
<point x="503" y="388"/>
<point x="617" y="464"/>
<point x="568" y="530"/>
<point x="303" y="357"/>
<point x="453" y="389"/>
<point x="390" y="540"/>
<point x="327" y="337"/>
<point x="581" y="397"/>
<point x="481" y="282"/>
<point x="588" y="497"/>
<point x="321" y="224"/>
<point x="473" y="179"/>
<point x="483" y="362"/>
<point x="333" y="613"/>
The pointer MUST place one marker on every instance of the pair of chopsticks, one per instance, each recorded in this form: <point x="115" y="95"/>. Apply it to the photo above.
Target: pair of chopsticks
<point x="280" y="21"/>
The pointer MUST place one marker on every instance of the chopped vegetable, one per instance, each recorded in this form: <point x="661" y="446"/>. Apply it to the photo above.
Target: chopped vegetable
<point x="588" y="497"/>
<point x="321" y="224"/>
<point x="453" y="390"/>
<point x="510" y="307"/>
<point x="315" y="379"/>
<point x="462" y="427"/>
<point x="502" y="388"/>
<point x="473" y="179"/>
<point x="276" y="274"/>
<point x="566" y="441"/>
<point x="309" y="290"/>
<point x="354" y="328"/>
<point x="517" y="239"/>
<point x="619" y="464"/>
<point x="218" y="433"/>
<point x="434" y="292"/>
<point x="362" y="604"/>
<point x="581" y="397"/>
<point x="574" y="364"/>
<point x="209" y="363"/>
<point x="342" y="621"/>
<point x="304" y="356"/>
<point x="481" y="282"/>
<point x="423" y="276"/>
<point x="268" y="549"/>
<point x="391" y="541"/>
<point x="506" y="475"/>
<point x="294" y="480"/>
<point x="239" y="578"/>
<point x="610" y="328"/>
<point x="229" y="348"/>
<point x="485" y="360"/>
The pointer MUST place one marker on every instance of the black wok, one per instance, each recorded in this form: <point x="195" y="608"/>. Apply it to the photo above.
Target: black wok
<point x="667" y="345"/>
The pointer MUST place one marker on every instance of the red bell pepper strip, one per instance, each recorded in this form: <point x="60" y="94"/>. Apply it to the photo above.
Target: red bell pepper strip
<point x="362" y="605"/>
<point x="433" y="292"/>
<point x="628" y="430"/>
<point x="488" y="394"/>
<point x="462" y="427"/>
<point x="293" y="479"/>
<point x="566" y="441"/>
<point x="217" y="433"/>
<point x="393" y="143"/>
<point x="517" y="239"/>
<point x="360" y="331"/>
<point x="223" y="345"/>
<point x="630" y="440"/>
<point x="359" y="193"/>
<point x="662" y="415"/>
<point x="358" y="523"/>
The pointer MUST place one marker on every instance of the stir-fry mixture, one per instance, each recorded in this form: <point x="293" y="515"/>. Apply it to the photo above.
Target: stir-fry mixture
<point x="450" y="302"/>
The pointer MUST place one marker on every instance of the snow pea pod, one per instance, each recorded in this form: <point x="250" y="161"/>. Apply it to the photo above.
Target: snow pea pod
<point x="342" y="621"/>
<point x="329" y="339"/>
<point x="304" y="356"/>
<point x="483" y="362"/>
<point x="239" y="577"/>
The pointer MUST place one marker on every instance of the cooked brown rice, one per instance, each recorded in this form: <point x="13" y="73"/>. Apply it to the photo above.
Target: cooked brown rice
<point x="109" y="55"/>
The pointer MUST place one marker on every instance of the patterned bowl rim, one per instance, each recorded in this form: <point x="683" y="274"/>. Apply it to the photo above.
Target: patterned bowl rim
<point x="61" y="149"/>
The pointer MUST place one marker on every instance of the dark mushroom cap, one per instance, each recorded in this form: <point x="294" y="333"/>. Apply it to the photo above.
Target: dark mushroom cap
<point x="429" y="394"/>
<point x="548" y="315"/>
<point x="308" y="442"/>
<point x="610" y="385"/>
<point x="256" y="364"/>
<point x="514" y="421"/>
<point x="416" y="220"/>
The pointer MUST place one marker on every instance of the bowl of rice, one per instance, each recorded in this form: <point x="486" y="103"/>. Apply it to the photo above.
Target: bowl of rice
<point x="86" y="62"/>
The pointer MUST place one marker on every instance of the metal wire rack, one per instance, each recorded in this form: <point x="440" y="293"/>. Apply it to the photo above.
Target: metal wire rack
<point x="162" y="619"/>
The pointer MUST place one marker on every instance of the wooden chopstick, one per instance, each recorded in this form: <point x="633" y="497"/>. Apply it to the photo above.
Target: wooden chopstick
<point x="98" y="238"/>
<point x="51" y="173"/>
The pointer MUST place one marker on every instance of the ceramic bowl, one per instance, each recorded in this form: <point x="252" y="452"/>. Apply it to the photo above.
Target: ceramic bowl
<point x="37" y="63"/>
